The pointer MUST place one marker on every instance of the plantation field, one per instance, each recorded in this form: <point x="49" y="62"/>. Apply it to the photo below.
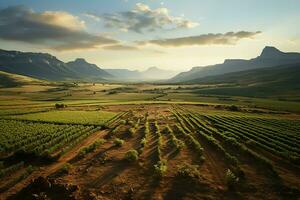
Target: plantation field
<point x="155" y="151"/>
<point x="40" y="139"/>
<point x="105" y="94"/>
<point x="69" y="117"/>
<point x="145" y="141"/>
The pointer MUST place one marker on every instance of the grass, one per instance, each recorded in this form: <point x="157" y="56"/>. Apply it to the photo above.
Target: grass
<point x="69" y="117"/>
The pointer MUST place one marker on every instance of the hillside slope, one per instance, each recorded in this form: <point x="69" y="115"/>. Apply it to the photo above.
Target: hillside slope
<point x="270" y="81"/>
<point x="47" y="67"/>
<point x="13" y="80"/>
<point x="85" y="69"/>
<point x="269" y="57"/>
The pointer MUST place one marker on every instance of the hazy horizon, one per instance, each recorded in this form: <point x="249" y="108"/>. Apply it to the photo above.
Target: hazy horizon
<point x="136" y="35"/>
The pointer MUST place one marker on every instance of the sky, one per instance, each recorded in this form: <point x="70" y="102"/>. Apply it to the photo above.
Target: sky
<point x="137" y="34"/>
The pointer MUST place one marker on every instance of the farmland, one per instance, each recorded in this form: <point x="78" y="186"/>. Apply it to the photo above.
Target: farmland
<point x="82" y="117"/>
<point x="146" y="142"/>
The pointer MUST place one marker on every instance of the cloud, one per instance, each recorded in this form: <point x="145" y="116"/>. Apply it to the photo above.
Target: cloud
<point x="120" y="47"/>
<point x="142" y="19"/>
<point x="55" y="30"/>
<point x="229" y="38"/>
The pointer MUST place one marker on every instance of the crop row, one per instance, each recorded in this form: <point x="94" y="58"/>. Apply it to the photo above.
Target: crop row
<point x="40" y="139"/>
<point x="265" y="143"/>
<point x="161" y="165"/>
<point x="232" y="143"/>
<point x="274" y="135"/>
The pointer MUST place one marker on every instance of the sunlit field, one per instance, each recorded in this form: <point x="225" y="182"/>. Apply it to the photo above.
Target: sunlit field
<point x="149" y="100"/>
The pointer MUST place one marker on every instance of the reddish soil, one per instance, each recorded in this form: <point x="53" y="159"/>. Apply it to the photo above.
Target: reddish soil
<point x="105" y="174"/>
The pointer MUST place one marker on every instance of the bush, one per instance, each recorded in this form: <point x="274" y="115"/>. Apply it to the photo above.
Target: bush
<point x="29" y="169"/>
<point x="58" y="105"/>
<point x="143" y="142"/>
<point x="132" y="132"/>
<point x="132" y="155"/>
<point x="188" y="171"/>
<point x="118" y="142"/>
<point x="112" y="92"/>
<point x="129" y="122"/>
<point x="161" y="167"/>
<point x="231" y="179"/>
<point x="233" y="108"/>
<point x="65" y="169"/>
<point x="91" y="147"/>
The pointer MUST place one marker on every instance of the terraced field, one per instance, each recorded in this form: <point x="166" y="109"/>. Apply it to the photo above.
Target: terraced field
<point x="154" y="152"/>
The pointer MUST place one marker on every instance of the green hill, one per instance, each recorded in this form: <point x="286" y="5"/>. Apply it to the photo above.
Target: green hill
<point x="271" y="81"/>
<point x="14" y="80"/>
<point x="270" y="57"/>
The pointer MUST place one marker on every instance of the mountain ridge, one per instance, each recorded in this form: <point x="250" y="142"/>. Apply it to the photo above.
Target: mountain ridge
<point x="269" y="57"/>
<point x="150" y="74"/>
<point x="268" y="81"/>
<point x="48" y="67"/>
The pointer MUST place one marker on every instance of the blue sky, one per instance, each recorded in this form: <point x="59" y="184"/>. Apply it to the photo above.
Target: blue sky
<point x="172" y="34"/>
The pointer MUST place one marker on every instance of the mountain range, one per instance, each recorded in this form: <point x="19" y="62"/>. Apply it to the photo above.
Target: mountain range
<point x="151" y="74"/>
<point x="276" y="81"/>
<point x="269" y="57"/>
<point x="48" y="67"/>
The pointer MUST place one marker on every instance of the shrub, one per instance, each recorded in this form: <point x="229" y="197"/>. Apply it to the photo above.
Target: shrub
<point x="132" y="155"/>
<point x="233" y="108"/>
<point x="188" y="171"/>
<point x="231" y="179"/>
<point x="29" y="169"/>
<point x="123" y="122"/>
<point x="129" y="122"/>
<point x="91" y="147"/>
<point x="161" y="167"/>
<point x="58" y="106"/>
<point x="65" y="169"/>
<point x="132" y="132"/>
<point x="112" y="92"/>
<point x="143" y="142"/>
<point x="118" y="142"/>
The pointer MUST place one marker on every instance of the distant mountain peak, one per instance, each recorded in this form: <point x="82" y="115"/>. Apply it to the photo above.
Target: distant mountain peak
<point x="270" y="57"/>
<point x="152" y="69"/>
<point x="270" y="51"/>
<point x="80" y="60"/>
<point x="46" y="66"/>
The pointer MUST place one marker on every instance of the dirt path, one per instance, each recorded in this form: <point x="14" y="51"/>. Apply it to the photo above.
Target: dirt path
<point x="214" y="166"/>
<point x="48" y="170"/>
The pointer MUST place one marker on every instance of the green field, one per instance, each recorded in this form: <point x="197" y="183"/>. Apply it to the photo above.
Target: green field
<point x="69" y="117"/>
<point x="166" y="125"/>
<point x="47" y="141"/>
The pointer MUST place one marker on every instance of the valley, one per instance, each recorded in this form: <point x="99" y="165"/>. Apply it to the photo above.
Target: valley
<point x="77" y="138"/>
<point x="149" y="100"/>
